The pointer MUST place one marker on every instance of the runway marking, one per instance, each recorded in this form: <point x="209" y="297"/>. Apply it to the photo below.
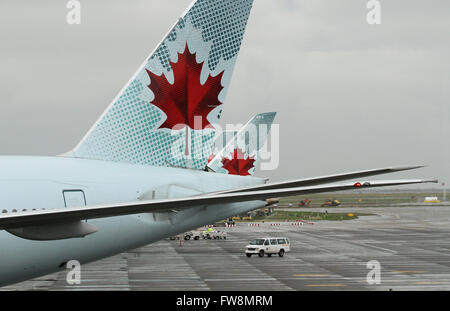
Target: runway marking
<point x="312" y="275"/>
<point x="246" y="279"/>
<point x="409" y="271"/>
<point x="351" y="242"/>
<point x="326" y="285"/>
<point x="428" y="283"/>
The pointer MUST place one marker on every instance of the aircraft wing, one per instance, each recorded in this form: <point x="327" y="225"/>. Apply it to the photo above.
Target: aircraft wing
<point x="324" y="179"/>
<point x="37" y="218"/>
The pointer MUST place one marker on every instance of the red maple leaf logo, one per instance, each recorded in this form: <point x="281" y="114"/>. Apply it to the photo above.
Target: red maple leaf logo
<point x="238" y="165"/>
<point x="186" y="101"/>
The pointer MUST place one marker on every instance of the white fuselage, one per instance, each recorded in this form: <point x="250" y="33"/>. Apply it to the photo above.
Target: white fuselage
<point x="28" y="183"/>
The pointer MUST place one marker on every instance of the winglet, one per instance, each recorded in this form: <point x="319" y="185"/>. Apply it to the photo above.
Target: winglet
<point x="406" y="167"/>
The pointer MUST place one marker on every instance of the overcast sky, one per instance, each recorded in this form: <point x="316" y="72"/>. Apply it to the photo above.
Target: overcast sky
<point x="349" y="95"/>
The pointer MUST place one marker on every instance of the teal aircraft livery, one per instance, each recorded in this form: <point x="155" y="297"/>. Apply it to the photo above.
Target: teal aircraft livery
<point x="148" y="169"/>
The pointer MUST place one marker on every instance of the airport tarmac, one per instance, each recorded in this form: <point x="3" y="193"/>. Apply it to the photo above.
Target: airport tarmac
<point x="412" y="244"/>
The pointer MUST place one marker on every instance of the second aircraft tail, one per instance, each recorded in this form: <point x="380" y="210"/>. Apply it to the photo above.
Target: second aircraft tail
<point x="242" y="153"/>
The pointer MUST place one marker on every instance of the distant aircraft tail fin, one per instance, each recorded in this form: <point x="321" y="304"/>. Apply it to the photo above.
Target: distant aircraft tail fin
<point x="242" y="153"/>
<point x="167" y="113"/>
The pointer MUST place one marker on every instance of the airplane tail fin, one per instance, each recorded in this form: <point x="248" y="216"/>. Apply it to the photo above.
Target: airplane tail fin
<point x="167" y="113"/>
<point x="242" y="154"/>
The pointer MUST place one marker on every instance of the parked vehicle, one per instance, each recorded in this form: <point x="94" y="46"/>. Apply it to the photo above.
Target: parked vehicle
<point x="268" y="246"/>
<point x="196" y="235"/>
<point x="219" y="235"/>
<point x="305" y="202"/>
<point x="332" y="203"/>
<point x="192" y="235"/>
<point x="210" y="233"/>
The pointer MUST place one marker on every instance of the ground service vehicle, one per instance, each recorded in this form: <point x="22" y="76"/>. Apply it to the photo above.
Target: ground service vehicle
<point x="305" y="202"/>
<point x="331" y="203"/>
<point x="214" y="234"/>
<point x="192" y="235"/>
<point x="268" y="246"/>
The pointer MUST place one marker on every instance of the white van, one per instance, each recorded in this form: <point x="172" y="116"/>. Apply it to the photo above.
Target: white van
<point x="268" y="246"/>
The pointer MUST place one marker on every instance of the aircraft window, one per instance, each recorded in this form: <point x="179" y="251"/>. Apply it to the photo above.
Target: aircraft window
<point x="24" y="210"/>
<point x="14" y="211"/>
<point x="266" y="242"/>
<point x="273" y="241"/>
<point x="4" y="211"/>
<point x="281" y="241"/>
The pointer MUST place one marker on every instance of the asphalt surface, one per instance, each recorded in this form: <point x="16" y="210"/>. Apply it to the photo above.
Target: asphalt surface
<point x="412" y="245"/>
